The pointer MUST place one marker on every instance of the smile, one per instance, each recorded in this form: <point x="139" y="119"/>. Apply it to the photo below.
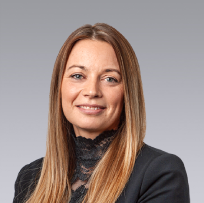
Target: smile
<point x="93" y="109"/>
<point x="89" y="107"/>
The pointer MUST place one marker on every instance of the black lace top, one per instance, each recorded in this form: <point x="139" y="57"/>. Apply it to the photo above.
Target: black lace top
<point x="88" y="153"/>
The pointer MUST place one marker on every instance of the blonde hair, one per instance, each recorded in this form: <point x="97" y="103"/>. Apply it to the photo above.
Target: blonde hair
<point x="114" y="169"/>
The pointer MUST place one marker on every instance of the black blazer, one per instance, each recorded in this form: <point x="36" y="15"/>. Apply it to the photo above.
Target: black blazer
<point x="157" y="177"/>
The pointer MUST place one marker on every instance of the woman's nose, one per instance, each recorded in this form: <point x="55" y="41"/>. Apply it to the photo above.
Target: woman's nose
<point x="92" y="88"/>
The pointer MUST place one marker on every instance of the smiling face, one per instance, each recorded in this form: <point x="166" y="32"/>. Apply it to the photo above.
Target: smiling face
<point x="92" y="89"/>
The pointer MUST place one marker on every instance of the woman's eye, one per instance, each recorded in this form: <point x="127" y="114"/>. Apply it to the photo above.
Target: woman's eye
<point x="77" y="76"/>
<point x="110" y="79"/>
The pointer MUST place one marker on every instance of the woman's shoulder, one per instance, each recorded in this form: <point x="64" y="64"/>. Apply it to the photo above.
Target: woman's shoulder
<point x="157" y="176"/>
<point x="27" y="179"/>
<point x="149" y="155"/>
<point x="152" y="161"/>
<point x="30" y="170"/>
<point x="34" y="165"/>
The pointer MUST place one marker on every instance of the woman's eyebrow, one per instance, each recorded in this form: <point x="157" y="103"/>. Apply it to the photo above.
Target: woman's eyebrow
<point x="84" y="68"/>
<point x="76" y="66"/>
<point x="112" y="70"/>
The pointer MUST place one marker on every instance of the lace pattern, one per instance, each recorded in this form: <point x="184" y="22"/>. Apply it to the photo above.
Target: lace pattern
<point x="88" y="153"/>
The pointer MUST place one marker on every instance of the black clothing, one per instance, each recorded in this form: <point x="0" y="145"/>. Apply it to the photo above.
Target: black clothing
<point x="88" y="153"/>
<point x="157" y="176"/>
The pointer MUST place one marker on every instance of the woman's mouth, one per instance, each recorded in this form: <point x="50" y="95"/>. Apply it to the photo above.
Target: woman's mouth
<point x="91" y="109"/>
<point x="88" y="107"/>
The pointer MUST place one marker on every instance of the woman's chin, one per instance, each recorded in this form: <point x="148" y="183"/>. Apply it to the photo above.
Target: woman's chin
<point x="89" y="128"/>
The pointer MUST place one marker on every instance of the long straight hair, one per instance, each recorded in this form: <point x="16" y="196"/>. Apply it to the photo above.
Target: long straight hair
<point x="114" y="169"/>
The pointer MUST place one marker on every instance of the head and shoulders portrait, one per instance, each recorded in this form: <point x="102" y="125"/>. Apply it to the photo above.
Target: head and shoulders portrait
<point x="95" y="149"/>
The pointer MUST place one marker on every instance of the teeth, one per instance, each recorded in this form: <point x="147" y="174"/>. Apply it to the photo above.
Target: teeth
<point x="87" y="107"/>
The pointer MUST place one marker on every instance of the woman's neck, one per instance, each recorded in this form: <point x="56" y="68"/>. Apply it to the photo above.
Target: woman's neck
<point x="90" y="134"/>
<point x="87" y="134"/>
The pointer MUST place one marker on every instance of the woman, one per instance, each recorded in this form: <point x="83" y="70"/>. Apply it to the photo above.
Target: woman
<point x="95" y="150"/>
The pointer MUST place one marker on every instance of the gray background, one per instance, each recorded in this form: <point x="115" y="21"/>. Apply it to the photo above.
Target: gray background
<point x="167" y="37"/>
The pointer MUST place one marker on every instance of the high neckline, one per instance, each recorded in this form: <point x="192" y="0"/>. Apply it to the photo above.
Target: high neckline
<point x="96" y="140"/>
<point x="88" y="152"/>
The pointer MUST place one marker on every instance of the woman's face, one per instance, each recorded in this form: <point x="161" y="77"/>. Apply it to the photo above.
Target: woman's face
<point x="92" y="89"/>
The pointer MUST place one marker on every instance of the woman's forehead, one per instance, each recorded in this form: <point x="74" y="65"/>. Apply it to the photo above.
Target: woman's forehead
<point x="93" y="54"/>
